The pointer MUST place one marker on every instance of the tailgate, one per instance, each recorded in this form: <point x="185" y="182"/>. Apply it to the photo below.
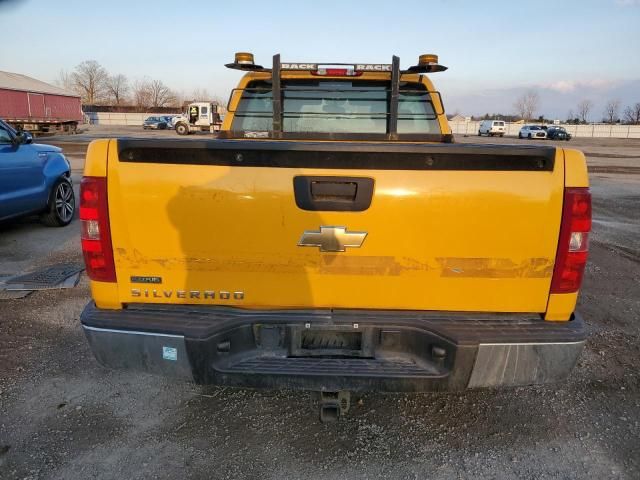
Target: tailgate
<point x="260" y="224"/>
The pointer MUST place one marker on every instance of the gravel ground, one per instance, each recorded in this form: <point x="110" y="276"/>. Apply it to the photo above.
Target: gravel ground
<point x="62" y="416"/>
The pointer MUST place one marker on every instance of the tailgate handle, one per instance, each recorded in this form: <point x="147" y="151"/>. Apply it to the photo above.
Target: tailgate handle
<point x="338" y="194"/>
<point x="338" y="191"/>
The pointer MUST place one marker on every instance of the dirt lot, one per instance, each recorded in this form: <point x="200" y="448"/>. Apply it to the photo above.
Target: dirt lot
<point x="62" y="416"/>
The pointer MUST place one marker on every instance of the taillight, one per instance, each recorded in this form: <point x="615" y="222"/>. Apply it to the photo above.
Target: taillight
<point x="94" y="230"/>
<point x="573" y="245"/>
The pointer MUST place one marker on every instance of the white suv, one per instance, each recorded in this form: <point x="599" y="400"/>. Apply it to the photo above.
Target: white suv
<point x="491" y="128"/>
<point x="532" y="131"/>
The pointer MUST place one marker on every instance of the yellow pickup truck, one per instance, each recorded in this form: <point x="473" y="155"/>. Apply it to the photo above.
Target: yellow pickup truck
<point x="333" y="237"/>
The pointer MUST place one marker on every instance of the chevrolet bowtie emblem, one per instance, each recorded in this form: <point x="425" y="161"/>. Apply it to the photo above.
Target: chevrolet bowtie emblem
<point x="332" y="239"/>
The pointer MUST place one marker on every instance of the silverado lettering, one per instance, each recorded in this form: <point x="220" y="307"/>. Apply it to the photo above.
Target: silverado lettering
<point x="204" y="294"/>
<point x="435" y="265"/>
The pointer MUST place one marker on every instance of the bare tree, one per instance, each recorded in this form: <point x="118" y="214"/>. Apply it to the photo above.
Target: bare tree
<point x="218" y="100"/>
<point x="117" y="89"/>
<point x="65" y="80"/>
<point x="89" y="79"/>
<point x="161" y="95"/>
<point x="611" y="111"/>
<point x="181" y="98"/>
<point x="141" y="93"/>
<point x="632" y="114"/>
<point x="584" y="107"/>
<point x="527" y="104"/>
<point x="201" y="95"/>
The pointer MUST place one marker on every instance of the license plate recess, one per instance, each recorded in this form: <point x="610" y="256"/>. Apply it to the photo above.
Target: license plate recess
<point x="333" y="341"/>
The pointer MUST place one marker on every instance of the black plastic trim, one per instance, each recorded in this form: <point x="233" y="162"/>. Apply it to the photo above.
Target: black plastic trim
<point x="339" y="155"/>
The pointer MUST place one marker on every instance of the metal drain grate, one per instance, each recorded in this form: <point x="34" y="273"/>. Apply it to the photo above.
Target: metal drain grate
<point x="49" y="277"/>
<point x="14" y="294"/>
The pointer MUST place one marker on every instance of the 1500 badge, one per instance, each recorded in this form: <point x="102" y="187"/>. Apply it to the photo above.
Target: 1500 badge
<point x="190" y="294"/>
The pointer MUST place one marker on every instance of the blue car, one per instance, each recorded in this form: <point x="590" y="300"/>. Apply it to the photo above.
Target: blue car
<point x="34" y="179"/>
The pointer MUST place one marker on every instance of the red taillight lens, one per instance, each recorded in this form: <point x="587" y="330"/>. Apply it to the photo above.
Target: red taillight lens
<point x="336" y="72"/>
<point x="573" y="244"/>
<point x="94" y="230"/>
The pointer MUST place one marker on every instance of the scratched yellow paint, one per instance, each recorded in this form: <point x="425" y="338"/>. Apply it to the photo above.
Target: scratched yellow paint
<point x="495" y="267"/>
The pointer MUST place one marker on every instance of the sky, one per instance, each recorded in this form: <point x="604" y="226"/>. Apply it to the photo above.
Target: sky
<point x="566" y="50"/>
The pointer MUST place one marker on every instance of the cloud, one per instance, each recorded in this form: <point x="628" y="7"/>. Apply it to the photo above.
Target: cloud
<point x="566" y="86"/>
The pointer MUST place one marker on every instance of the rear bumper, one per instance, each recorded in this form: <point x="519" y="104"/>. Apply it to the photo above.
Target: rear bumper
<point x="360" y="350"/>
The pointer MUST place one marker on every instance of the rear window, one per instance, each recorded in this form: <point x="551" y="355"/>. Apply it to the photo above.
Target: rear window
<point x="330" y="106"/>
<point x="498" y="124"/>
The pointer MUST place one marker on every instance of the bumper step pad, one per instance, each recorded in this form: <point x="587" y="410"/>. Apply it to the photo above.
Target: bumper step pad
<point x="332" y="366"/>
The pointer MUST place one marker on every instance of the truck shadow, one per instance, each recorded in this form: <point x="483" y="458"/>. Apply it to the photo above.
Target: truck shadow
<point x="233" y="229"/>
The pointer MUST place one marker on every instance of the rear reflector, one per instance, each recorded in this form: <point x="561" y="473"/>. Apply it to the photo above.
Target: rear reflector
<point x="573" y="244"/>
<point x="90" y="229"/>
<point x="94" y="231"/>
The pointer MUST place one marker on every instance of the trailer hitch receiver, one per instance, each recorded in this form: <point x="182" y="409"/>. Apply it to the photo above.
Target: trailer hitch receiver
<point x="334" y="405"/>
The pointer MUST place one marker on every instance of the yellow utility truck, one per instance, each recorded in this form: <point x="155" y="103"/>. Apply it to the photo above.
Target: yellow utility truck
<point x="333" y="237"/>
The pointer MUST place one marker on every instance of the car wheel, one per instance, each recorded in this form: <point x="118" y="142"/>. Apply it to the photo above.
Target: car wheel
<point x="62" y="204"/>
<point x="501" y="135"/>
<point x="529" y="137"/>
<point x="479" y="133"/>
<point x="182" y="129"/>
<point x="520" y="136"/>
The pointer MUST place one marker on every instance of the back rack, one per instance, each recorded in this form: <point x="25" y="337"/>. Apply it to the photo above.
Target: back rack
<point x="427" y="63"/>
